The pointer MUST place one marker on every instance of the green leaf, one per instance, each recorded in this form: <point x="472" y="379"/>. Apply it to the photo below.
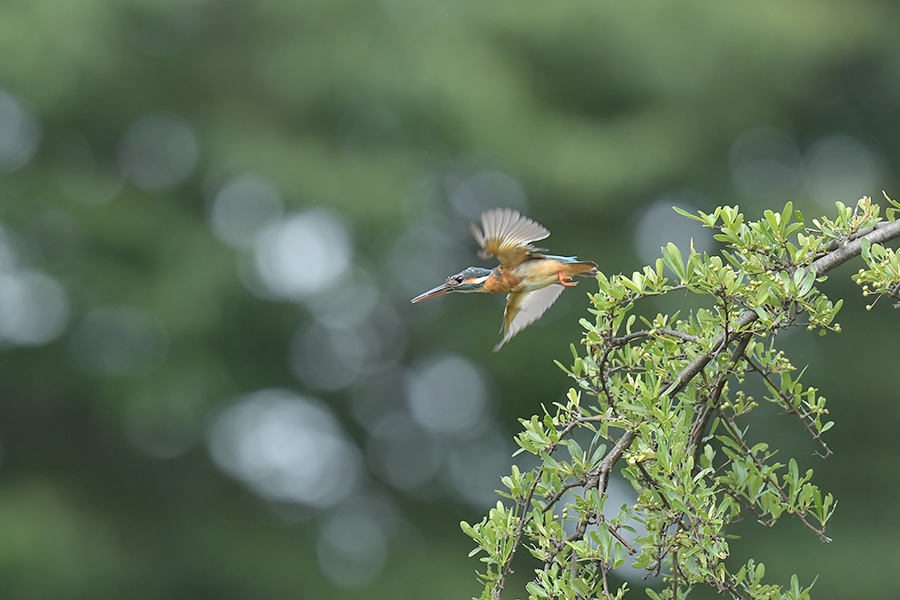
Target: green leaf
<point x="598" y="454"/>
<point x="548" y="460"/>
<point x="762" y="313"/>
<point x="808" y="281"/>
<point x="671" y="255"/>
<point x="772" y="220"/>
<point x="866" y="247"/>
<point x="786" y="215"/>
<point x="685" y="213"/>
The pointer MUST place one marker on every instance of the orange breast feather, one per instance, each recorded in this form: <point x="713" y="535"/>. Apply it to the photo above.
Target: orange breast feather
<point x="502" y="281"/>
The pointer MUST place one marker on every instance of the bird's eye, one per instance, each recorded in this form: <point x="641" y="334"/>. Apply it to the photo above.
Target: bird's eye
<point x="459" y="280"/>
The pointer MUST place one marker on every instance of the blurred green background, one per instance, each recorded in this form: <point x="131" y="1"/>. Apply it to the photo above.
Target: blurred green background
<point x="213" y="214"/>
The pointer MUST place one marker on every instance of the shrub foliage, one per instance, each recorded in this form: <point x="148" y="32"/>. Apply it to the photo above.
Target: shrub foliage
<point x="662" y="399"/>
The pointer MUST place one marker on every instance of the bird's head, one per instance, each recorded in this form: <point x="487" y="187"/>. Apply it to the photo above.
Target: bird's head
<point x="467" y="280"/>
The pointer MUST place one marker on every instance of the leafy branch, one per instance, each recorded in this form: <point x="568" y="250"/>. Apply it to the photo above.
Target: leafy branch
<point x="668" y="398"/>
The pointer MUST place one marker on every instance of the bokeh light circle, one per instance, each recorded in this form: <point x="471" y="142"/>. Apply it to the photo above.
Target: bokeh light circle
<point x="302" y="255"/>
<point x="765" y="163"/>
<point x="34" y="308"/>
<point x="658" y="224"/>
<point x="447" y="395"/>
<point x="19" y="133"/>
<point x="484" y="190"/>
<point x="242" y="208"/>
<point x="158" y="151"/>
<point x="842" y="168"/>
<point x="287" y="448"/>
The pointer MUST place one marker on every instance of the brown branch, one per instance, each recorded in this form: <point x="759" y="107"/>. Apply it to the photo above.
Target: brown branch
<point x="877" y="234"/>
<point x="675" y="575"/>
<point x="597" y="478"/>
<point x="618" y="342"/>
<point x="555" y="498"/>
<point x="698" y="429"/>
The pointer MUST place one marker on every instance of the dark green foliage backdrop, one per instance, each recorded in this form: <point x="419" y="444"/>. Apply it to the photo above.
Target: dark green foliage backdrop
<point x="215" y="212"/>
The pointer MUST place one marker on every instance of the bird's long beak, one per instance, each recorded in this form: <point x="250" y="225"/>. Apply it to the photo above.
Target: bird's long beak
<point x="438" y="291"/>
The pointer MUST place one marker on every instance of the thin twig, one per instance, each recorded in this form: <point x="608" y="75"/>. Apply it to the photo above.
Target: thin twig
<point x="675" y="575"/>
<point x="603" y="569"/>
<point x="769" y="479"/>
<point x="498" y="587"/>
<point x="790" y="406"/>
<point x="615" y="533"/>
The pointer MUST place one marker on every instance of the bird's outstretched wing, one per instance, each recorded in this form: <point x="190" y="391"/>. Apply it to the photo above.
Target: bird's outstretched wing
<point x="523" y="309"/>
<point x="506" y="234"/>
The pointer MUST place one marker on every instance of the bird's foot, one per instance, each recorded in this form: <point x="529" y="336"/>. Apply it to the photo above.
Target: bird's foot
<point x="566" y="280"/>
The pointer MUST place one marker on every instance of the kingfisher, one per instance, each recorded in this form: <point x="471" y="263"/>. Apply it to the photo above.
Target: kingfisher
<point x="531" y="280"/>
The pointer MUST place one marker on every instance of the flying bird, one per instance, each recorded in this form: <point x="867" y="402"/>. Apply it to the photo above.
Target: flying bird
<point x="532" y="280"/>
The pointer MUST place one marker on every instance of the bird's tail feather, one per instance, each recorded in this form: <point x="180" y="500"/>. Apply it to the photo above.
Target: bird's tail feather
<point x="585" y="268"/>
